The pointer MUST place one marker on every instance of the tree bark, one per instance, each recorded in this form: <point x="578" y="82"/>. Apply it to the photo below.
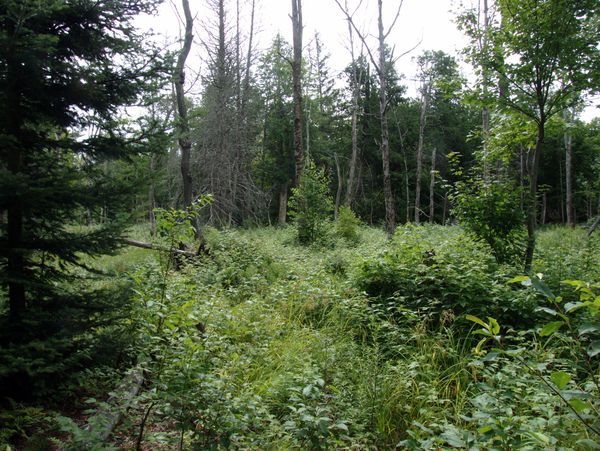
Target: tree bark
<point x="432" y="187"/>
<point x="356" y="79"/>
<point x="532" y="204"/>
<point x="183" y="128"/>
<point x="569" y="168"/>
<point x="390" y="213"/>
<point x="422" y="122"/>
<point x="283" y="196"/>
<point x="297" y="29"/>
<point x="338" y="194"/>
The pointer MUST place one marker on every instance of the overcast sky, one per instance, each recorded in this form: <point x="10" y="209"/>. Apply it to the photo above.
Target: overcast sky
<point x="428" y="22"/>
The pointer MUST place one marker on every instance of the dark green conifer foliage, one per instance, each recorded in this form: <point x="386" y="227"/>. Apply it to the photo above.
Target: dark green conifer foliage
<point x="67" y="68"/>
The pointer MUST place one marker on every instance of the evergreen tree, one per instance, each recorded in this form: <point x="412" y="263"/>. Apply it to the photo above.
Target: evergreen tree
<point x="67" y="68"/>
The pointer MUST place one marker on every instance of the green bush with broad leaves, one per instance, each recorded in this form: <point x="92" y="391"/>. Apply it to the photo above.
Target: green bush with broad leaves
<point x="441" y="272"/>
<point x="490" y="210"/>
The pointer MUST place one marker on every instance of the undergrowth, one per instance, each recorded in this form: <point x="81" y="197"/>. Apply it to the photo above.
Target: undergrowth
<point x="265" y="344"/>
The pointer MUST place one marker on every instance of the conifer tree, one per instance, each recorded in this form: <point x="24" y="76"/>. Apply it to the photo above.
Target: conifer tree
<point x="67" y="69"/>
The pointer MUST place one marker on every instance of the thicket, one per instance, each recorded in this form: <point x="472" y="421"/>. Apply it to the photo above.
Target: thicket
<point x="263" y="343"/>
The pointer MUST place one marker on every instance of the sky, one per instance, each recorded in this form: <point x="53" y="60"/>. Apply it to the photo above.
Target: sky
<point x="427" y="24"/>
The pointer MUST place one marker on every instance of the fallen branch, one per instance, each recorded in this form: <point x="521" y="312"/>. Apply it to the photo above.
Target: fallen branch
<point x="103" y="423"/>
<point x="156" y="247"/>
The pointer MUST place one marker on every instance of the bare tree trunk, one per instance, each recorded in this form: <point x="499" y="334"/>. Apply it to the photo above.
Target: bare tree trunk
<point x="183" y="128"/>
<point x="445" y="210"/>
<point x="297" y="29"/>
<point x="569" y="167"/>
<point x="562" y="191"/>
<point x="283" y="196"/>
<point x="380" y="66"/>
<point x="338" y="194"/>
<point x="390" y="213"/>
<point x="356" y="79"/>
<point x="432" y="187"/>
<point x="422" y="122"/>
<point x="485" y="113"/>
<point x="532" y="204"/>
<point x="151" y="199"/>
<point x="544" y="208"/>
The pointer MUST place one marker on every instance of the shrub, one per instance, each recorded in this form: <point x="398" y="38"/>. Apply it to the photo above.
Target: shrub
<point x="311" y="205"/>
<point x="347" y="224"/>
<point x="440" y="275"/>
<point x="490" y="210"/>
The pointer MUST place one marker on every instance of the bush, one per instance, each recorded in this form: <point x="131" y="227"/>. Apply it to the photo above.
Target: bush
<point x="311" y="205"/>
<point x="347" y="224"/>
<point x="440" y="275"/>
<point x="490" y="210"/>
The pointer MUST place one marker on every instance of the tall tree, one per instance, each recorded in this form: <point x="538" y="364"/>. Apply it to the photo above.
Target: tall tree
<point x="297" y="31"/>
<point x="65" y="70"/>
<point x="380" y="65"/>
<point x="183" y="126"/>
<point x="550" y="57"/>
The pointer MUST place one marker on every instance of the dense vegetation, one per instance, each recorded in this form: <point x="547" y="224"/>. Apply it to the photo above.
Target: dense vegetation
<point x="265" y="343"/>
<point x="264" y="306"/>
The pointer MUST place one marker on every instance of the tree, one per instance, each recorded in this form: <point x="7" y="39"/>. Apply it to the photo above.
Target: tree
<point x="380" y="64"/>
<point x="297" y="29"/>
<point x="183" y="126"/>
<point x="66" y="68"/>
<point x="550" y="57"/>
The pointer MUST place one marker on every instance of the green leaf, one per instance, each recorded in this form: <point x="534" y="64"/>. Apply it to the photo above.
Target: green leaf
<point x="542" y="288"/>
<point x="550" y="328"/>
<point x="518" y="279"/>
<point x="560" y="379"/>
<point x="579" y="405"/>
<point x="588" y="443"/>
<point x="477" y="320"/>
<point x="572" y="306"/>
<point x="587" y="328"/>
<point x="594" y="348"/>
<point x="547" y="310"/>
<point x="494" y="326"/>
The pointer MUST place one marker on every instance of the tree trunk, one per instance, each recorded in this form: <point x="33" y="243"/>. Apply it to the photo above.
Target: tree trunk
<point x="485" y="113"/>
<point x="151" y="198"/>
<point x="422" y="121"/>
<point x="532" y="204"/>
<point x="183" y="129"/>
<point x="390" y="214"/>
<point x="432" y="188"/>
<point x="338" y="194"/>
<point x="283" y="196"/>
<point x="544" y="208"/>
<point x="569" y="168"/>
<point x="297" y="29"/>
<point x="356" y="79"/>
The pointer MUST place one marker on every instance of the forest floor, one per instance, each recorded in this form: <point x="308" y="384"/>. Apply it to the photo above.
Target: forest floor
<point x="363" y="344"/>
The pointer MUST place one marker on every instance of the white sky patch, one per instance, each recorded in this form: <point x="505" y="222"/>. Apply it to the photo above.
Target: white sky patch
<point x="429" y="22"/>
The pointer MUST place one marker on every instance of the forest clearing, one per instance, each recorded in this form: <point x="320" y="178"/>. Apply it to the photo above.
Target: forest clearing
<point x="350" y="343"/>
<point x="213" y="240"/>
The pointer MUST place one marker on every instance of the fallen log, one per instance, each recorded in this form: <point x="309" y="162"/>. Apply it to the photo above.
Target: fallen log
<point x="156" y="247"/>
<point x="102" y="424"/>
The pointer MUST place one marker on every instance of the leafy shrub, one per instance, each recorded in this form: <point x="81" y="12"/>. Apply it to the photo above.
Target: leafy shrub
<point x="442" y="274"/>
<point x="490" y="210"/>
<point x="311" y="205"/>
<point x="348" y="224"/>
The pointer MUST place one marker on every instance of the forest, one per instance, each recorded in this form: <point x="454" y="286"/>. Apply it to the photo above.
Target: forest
<point x="264" y="252"/>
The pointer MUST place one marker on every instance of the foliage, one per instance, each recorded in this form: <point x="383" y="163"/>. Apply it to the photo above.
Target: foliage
<point x="310" y="205"/>
<point x="347" y="225"/>
<point x="490" y="210"/>
<point x="440" y="272"/>
<point x="56" y="88"/>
